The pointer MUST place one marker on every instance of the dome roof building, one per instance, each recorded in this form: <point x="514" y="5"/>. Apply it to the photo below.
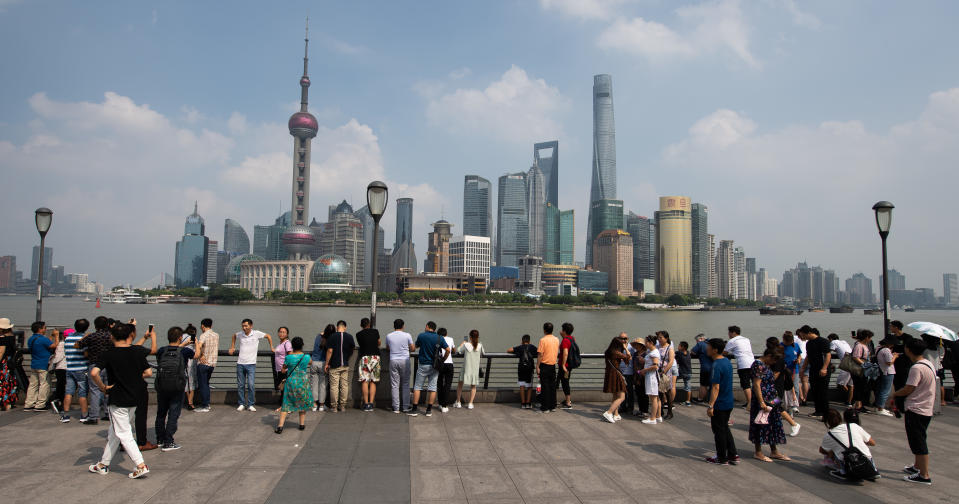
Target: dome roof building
<point x="330" y="269"/>
<point x="233" y="268"/>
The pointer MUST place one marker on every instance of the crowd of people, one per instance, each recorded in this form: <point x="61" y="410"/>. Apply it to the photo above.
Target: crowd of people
<point x="105" y="372"/>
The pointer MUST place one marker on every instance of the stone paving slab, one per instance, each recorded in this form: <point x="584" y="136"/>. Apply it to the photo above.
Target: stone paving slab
<point x="496" y="453"/>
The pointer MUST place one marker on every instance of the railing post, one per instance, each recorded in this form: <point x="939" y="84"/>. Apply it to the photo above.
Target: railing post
<point x="489" y="365"/>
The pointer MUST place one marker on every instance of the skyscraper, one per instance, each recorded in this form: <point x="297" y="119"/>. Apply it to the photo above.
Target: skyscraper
<point x="726" y="270"/>
<point x="674" y="246"/>
<point x="613" y="254"/>
<point x="950" y="289"/>
<point x="536" y="206"/>
<point x="552" y="235"/>
<point x="512" y="227"/>
<point x="739" y="259"/>
<point x="366" y="220"/>
<point x="47" y="263"/>
<point x="343" y="236"/>
<point x="897" y="281"/>
<point x="8" y="273"/>
<point x="477" y="206"/>
<point x="546" y="156"/>
<point x="404" y="254"/>
<point x="567" y="236"/>
<point x="471" y="255"/>
<point x="604" y="153"/>
<point x="859" y="290"/>
<point x="190" y="265"/>
<point x="605" y="214"/>
<point x="713" y="276"/>
<point x="298" y="239"/>
<point x="235" y="240"/>
<point x="641" y="232"/>
<point x="212" y="247"/>
<point x="438" y="252"/>
<point x="700" y="266"/>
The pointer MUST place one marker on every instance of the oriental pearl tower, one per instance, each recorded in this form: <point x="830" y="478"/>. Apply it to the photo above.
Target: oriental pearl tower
<point x="298" y="239"/>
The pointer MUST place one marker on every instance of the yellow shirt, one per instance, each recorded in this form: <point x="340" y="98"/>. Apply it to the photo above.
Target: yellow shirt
<point x="548" y="350"/>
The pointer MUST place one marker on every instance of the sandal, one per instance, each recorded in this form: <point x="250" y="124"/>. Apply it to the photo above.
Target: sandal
<point x="762" y="458"/>
<point x="278" y="430"/>
<point x="782" y="458"/>
<point x="302" y="427"/>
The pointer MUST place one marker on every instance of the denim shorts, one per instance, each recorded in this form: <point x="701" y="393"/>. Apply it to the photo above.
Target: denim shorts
<point x="76" y="383"/>
<point x="425" y="378"/>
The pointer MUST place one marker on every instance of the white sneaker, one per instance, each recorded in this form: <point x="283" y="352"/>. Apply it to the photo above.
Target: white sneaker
<point x="794" y="431"/>
<point x="251" y="408"/>
<point x="469" y="406"/>
<point x="457" y="404"/>
<point x="444" y="409"/>
<point x="609" y="418"/>
<point x="617" y="417"/>
<point x="314" y="407"/>
<point x="649" y="422"/>
<point x="884" y="412"/>
<point x="659" y="420"/>
<point x="240" y="408"/>
<point x="321" y="408"/>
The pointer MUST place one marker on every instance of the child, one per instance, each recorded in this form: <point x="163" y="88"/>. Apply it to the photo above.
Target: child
<point x="472" y="350"/>
<point x="639" y="381"/>
<point x="685" y="361"/>
<point x="524" y="369"/>
<point x="836" y="441"/>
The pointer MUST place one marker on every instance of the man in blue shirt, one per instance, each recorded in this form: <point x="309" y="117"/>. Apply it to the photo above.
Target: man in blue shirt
<point x="41" y="348"/>
<point x="721" y="404"/>
<point x="77" y="364"/>
<point x="426" y="376"/>
<point x="705" y="366"/>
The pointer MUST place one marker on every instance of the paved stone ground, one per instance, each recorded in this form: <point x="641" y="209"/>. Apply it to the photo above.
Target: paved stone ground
<point x="495" y="453"/>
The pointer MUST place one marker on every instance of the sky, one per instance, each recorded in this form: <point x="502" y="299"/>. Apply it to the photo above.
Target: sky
<point x="788" y="119"/>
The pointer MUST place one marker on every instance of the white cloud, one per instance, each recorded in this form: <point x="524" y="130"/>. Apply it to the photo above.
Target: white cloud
<point x="514" y="108"/>
<point x="584" y="9"/>
<point x="191" y="115"/>
<point x="645" y="38"/>
<point x="705" y="28"/>
<point x="121" y="177"/>
<point x="460" y="73"/>
<point x="800" y="17"/>
<point x="814" y="185"/>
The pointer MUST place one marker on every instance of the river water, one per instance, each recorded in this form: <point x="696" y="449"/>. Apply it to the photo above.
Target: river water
<point x="499" y="328"/>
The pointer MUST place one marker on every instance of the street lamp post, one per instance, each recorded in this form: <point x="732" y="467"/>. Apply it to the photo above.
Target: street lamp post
<point x="44" y="217"/>
<point x="883" y="211"/>
<point x="376" y="198"/>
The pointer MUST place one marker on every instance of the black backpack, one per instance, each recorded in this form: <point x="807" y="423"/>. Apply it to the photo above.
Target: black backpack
<point x="525" y="359"/>
<point x="856" y="464"/>
<point x="573" y="359"/>
<point x="171" y="371"/>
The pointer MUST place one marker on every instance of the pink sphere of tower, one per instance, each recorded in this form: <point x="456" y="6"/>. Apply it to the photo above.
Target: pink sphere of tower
<point x="303" y="124"/>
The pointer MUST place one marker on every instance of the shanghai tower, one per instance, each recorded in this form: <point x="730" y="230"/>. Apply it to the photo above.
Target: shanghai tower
<point x="298" y="238"/>
<point x="604" y="153"/>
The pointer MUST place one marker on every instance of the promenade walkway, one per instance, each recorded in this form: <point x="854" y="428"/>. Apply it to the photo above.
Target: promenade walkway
<point x="495" y="453"/>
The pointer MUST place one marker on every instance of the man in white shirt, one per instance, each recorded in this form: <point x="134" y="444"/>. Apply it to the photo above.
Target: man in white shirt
<point x="739" y="348"/>
<point x="249" y="340"/>
<point x="400" y="344"/>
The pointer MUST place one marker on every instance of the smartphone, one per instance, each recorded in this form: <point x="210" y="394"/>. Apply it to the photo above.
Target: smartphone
<point x="150" y="328"/>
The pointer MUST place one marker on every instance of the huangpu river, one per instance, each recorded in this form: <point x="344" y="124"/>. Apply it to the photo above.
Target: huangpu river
<point x="499" y="328"/>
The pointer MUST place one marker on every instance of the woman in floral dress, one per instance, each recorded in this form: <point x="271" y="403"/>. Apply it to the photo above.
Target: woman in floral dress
<point x="765" y="400"/>
<point x="296" y="392"/>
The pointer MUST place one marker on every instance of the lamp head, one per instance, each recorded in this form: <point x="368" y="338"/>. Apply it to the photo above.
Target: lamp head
<point x="376" y="198"/>
<point x="44" y="217"/>
<point x="883" y="211"/>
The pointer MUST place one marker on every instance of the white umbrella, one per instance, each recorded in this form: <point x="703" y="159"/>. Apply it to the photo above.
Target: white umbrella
<point x="934" y="330"/>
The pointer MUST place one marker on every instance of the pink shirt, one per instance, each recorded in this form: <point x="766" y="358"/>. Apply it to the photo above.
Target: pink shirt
<point x="885" y="361"/>
<point x="279" y="354"/>
<point x="923" y="397"/>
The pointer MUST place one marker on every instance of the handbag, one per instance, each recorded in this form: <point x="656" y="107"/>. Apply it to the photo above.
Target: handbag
<point x="850" y="366"/>
<point x="762" y="418"/>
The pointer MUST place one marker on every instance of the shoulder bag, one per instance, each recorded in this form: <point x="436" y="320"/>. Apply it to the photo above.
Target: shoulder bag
<point x="856" y="465"/>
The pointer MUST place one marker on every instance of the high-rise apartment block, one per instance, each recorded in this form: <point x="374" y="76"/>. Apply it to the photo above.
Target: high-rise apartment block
<point x="644" y="264"/>
<point x="603" y="185"/>
<point x="726" y="282"/>
<point x="530" y="275"/>
<point x="512" y="228"/>
<point x="8" y="273"/>
<point x="713" y="273"/>
<point x="859" y="290"/>
<point x="212" y="248"/>
<point x="674" y="246"/>
<point x="700" y="250"/>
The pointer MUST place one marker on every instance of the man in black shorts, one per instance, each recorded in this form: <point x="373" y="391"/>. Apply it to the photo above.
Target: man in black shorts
<point x="705" y="367"/>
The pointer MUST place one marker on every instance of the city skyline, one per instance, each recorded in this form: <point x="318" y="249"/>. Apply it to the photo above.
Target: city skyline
<point x="730" y="144"/>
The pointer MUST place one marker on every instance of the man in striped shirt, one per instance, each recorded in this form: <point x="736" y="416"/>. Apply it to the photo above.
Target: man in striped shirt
<point x="76" y="372"/>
